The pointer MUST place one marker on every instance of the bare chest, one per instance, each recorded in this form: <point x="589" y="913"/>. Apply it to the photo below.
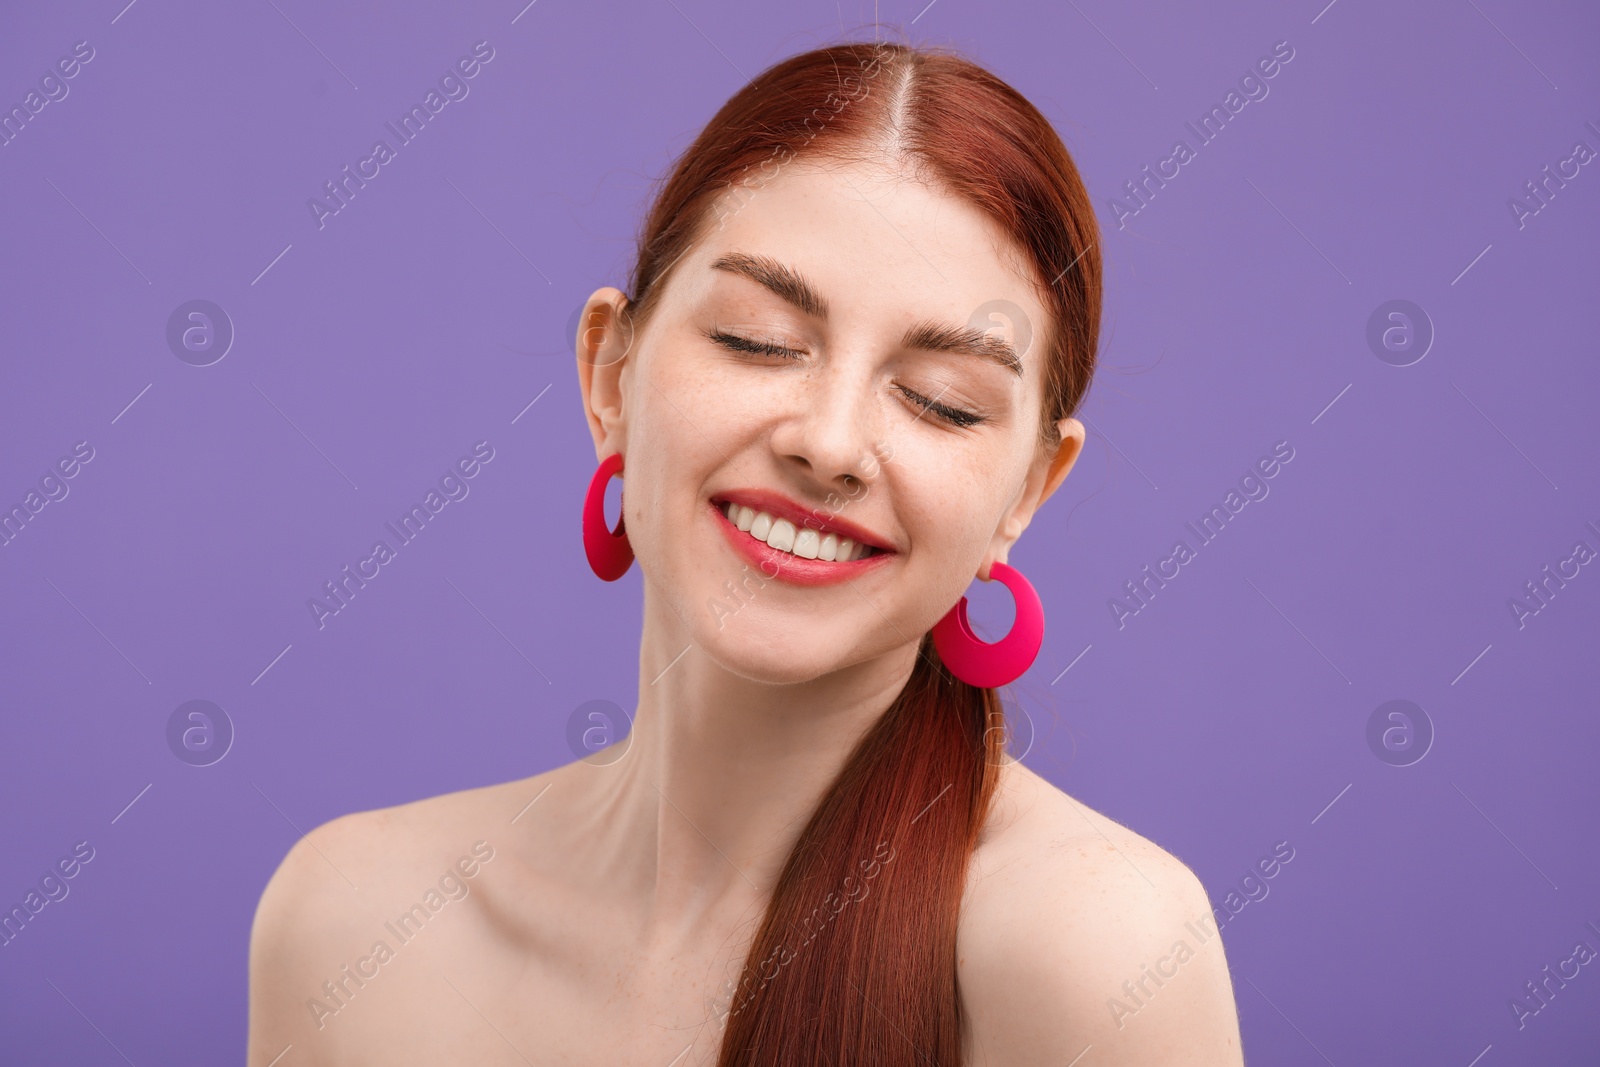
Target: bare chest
<point x="467" y="996"/>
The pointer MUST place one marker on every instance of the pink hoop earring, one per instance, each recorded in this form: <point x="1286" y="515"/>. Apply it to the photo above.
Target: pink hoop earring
<point x="610" y="554"/>
<point x="979" y="663"/>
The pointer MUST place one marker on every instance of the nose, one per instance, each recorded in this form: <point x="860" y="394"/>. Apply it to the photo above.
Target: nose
<point x="830" y="430"/>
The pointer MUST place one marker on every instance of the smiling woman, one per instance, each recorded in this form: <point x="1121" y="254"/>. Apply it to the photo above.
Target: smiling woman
<point x="848" y="362"/>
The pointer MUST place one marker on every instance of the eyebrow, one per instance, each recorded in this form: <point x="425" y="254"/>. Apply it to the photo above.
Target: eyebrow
<point x="782" y="280"/>
<point x="926" y="335"/>
<point x="968" y="340"/>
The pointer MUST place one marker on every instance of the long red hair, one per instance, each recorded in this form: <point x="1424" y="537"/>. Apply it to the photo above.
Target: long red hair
<point x="854" y="961"/>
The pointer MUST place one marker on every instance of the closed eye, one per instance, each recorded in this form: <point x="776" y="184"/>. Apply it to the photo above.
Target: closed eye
<point x="737" y="343"/>
<point x="754" y="346"/>
<point x="954" y="416"/>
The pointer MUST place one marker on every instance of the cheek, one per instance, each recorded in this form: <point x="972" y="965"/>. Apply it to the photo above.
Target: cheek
<point x="695" y="424"/>
<point x="681" y="429"/>
<point x="947" y="501"/>
<point x="714" y="395"/>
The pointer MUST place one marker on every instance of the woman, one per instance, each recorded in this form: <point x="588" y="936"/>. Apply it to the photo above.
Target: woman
<point x="864" y="309"/>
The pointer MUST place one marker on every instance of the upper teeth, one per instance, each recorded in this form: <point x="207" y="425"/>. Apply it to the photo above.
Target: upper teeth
<point x="782" y="535"/>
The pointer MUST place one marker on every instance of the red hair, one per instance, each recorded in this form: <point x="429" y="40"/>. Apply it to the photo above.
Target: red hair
<point x="855" y="958"/>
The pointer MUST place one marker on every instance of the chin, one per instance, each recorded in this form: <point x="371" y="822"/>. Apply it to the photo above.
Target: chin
<point x="759" y="655"/>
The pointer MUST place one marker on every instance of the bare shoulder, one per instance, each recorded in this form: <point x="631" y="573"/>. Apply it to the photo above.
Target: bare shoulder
<point x="1076" y="932"/>
<point x="329" y="897"/>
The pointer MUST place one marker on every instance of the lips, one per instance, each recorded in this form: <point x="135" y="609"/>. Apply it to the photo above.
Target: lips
<point x="781" y="507"/>
<point x="787" y="566"/>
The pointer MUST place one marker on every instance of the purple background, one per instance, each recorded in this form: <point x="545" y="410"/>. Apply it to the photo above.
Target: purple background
<point x="1228" y="715"/>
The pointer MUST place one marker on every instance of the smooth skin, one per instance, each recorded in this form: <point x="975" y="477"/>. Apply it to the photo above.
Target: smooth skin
<point x="611" y="922"/>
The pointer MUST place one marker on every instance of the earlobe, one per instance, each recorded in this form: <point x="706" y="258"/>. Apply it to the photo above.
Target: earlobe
<point x="985" y="569"/>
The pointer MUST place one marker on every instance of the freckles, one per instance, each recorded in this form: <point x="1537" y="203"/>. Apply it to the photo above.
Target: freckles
<point x="960" y="500"/>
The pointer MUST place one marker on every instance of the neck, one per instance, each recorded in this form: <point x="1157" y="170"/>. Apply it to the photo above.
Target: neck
<point x="723" y="772"/>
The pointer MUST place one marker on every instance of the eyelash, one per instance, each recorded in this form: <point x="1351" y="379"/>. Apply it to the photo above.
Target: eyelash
<point x="736" y="343"/>
<point x="746" y="344"/>
<point x="954" y="416"/>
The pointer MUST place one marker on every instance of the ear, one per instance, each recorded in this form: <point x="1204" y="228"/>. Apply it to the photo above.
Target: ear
<point x="605" y="336"/>
<point x="1044" y="478"/>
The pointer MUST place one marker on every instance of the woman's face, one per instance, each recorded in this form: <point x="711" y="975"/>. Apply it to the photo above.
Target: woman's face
<point x="844" y="349"/>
